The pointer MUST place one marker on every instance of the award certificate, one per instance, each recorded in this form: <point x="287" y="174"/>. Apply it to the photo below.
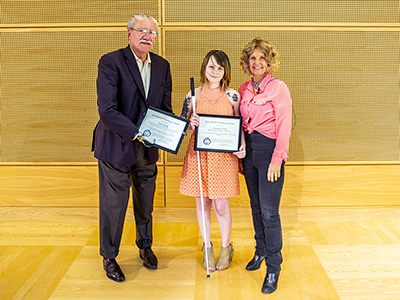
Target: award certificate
<point x="163" y="130"/>
<point x="218" y="133"/>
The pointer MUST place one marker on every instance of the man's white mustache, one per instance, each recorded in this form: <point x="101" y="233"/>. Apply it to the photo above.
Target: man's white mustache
<point x="146" y="41"/>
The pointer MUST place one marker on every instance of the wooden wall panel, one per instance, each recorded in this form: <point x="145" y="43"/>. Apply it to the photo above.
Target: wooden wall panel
<point x="48" y="99"/>
<point x="341" y="185"/>
<point x="350" y="11"/>
<point x="308" y="186"/>
<point x="340" y="60"/>
<point x="57" y="186"/>
<point x="74" y="11"/>
<point x="344" y="86"/>
<point x="305" y="186"/>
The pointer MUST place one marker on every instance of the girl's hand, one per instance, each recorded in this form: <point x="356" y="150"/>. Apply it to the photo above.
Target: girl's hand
<point x="241" y="153"/>
<point x="194" y="121"/>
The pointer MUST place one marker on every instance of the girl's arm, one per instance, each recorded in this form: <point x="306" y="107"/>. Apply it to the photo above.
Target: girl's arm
<point x="187" y="111"/>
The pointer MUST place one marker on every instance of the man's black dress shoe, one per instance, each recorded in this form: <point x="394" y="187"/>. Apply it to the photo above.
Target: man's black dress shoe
<point x="113" y="270"/>
<point x="270" y="283"/>
<point x="255" y="263"/>
<point x="149" y="258"/>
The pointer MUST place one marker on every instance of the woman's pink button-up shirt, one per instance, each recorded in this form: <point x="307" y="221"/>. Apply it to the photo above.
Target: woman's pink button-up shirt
<point x="269" y="112"/>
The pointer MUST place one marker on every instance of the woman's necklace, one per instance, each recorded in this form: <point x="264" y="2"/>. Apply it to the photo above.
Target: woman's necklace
<point x="256" y="84"/>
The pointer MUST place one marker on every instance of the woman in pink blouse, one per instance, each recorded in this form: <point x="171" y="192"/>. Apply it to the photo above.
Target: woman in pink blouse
<point x="266" y="108"/>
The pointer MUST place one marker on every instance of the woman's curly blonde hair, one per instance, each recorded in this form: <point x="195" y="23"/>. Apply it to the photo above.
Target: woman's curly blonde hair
<point x="267" y="48"/>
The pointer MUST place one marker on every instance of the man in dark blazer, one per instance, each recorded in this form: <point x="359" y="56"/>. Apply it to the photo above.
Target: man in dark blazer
<point x="129" y="80"/>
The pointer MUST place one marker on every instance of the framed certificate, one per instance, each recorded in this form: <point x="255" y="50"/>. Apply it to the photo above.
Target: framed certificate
<point x="218" y="133"/>
<point x="163" y="130"/>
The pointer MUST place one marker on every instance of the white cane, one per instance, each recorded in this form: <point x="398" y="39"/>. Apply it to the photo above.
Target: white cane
<point x="200" y="183"/>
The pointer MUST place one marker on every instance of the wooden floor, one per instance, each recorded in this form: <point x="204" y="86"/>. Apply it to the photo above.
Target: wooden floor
<point x="50" y="250"/>
<point x="339" y="253"/>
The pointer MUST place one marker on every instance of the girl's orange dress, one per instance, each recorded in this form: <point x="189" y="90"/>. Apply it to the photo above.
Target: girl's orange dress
<point x="219" y="171"/>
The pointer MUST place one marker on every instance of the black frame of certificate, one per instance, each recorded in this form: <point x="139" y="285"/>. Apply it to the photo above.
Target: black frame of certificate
<point x="169" y="115"/>
<point x="221" y="118"/>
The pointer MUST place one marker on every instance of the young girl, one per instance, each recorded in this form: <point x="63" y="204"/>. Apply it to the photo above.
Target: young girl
<point x="219" y="171"/>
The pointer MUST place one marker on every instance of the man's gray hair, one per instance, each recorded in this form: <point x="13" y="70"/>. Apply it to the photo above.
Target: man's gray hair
<point x="140" y="17"/>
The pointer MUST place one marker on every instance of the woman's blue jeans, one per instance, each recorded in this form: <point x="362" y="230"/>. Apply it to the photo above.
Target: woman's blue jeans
<point x="265" y="197"/>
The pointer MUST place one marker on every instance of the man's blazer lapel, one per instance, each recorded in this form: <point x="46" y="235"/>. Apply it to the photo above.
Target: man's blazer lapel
<point x="134" y="69"/>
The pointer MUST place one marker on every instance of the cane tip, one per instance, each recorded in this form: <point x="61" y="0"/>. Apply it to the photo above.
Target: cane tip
<point x="208" y="276"/>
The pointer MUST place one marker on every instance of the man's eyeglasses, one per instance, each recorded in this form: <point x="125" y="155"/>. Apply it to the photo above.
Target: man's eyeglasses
<point x="143" y="31"/>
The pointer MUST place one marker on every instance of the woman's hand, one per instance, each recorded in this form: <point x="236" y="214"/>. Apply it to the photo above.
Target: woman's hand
<point x="274" y="172"/>
<point x="242" y="152"/>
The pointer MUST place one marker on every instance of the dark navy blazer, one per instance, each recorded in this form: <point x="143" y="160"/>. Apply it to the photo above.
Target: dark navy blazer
<point x="122" y="104"/>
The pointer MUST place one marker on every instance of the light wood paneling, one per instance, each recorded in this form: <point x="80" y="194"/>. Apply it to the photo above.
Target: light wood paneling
<point x="315" y="186"/>
<point x="48" y="186"/>
<point x="329" y="49"/>
<point x="74" y="11"/>
<point x="172" y="195"/>
<point x="335" y="113"/>
<point x="341" y="185"/>
<point x="49" y="96"/>
<point x="45" y="233"/>
<point x="305" y="186"/>
<point x="57" y="186"/>
<point x="284" y="11"/>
